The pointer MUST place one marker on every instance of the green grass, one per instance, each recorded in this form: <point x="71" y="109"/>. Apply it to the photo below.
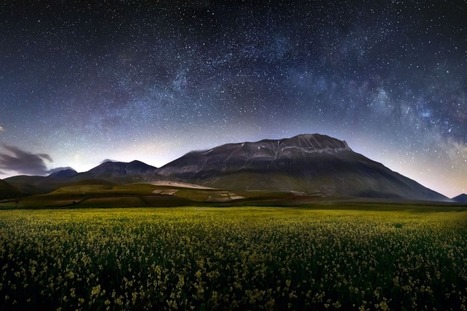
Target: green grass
<point x="233" y="258"/>
<point x="107" y="196"/>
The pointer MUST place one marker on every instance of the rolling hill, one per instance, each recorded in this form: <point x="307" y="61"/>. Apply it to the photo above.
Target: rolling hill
<point x="7" y="191"/>
<point x="119" y="172"/>
<point x="106" y="173"/>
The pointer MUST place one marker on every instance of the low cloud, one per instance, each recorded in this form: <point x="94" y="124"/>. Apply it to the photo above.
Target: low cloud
<point x="2" y="129"/>
<point x="23" y="162"/>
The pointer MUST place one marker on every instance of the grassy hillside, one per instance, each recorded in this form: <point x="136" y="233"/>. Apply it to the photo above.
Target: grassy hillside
<point x="130" y="195"/>
<point x="7" y="191"/>
<point x="95" y="194"/>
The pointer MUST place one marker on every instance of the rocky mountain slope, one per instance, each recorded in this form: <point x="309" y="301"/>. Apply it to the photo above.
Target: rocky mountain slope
<point x="310" y="164"/>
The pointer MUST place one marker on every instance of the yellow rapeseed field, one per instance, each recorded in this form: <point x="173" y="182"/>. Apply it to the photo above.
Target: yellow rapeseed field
<point x="232" y="259"/>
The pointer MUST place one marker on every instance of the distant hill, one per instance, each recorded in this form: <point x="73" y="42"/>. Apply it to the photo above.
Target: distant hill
<point x="105" y="173"/>
<point x="64" y="173"/>
<point x="32" y="184"/>
<point x="119" y="172"/>
<point x="310" y="164"/>
<point x="462" y="198"/>
<point x="7" y="191"/>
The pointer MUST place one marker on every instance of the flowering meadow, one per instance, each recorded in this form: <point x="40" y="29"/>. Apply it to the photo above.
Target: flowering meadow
<point x="232" y="259"/>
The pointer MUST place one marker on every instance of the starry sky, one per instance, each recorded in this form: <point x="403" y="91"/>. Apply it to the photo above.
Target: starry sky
<point x="85" y="81"/>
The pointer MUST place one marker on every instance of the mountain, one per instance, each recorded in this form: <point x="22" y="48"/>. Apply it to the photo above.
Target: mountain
<point x="311" y="164"/>
<point x="7" y="191"/>
<point x="462" y="198"/>
<point x="64" y="173"/>
<point x="32" y="184"/>
<point x="119" y="172"/>
<point x="105" y="173"/>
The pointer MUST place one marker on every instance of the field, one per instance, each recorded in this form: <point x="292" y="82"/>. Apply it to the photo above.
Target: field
<point x="195" y="258"/>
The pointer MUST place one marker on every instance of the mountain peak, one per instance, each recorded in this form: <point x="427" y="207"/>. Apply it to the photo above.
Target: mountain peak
<point x="285" y="147"/>
<point x="266" y="154"/>
<point x="63" y="172"/>
<point x="123" y="168"/>
<point x="316" y="142"/>
<point x="119" y="172"/>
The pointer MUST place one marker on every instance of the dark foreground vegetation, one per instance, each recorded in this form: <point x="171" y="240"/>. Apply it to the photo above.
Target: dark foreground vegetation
<point x="265" y="258"/>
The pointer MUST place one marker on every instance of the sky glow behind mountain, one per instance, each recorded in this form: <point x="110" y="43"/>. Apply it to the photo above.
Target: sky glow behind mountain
<point x="81" y="82"/>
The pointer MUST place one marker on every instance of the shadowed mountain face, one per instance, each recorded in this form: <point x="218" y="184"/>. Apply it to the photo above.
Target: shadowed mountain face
<point x="65" y="173"/>
<point x="7" y="191"/>
<point x="120" y="170"/>
<point x="105" y="173"/>
<point x="462" y="198"/>
<point x="310" y="164"/>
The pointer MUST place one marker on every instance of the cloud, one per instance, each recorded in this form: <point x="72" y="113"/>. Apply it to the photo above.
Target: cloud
<point x="2" y="129"/>
<point x="23" y="162"/>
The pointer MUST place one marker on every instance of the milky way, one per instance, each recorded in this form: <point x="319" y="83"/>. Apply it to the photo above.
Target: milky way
<point x="81" y="82"/>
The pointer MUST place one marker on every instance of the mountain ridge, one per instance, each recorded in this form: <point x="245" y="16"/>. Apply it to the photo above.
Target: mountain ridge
<point x="313" y="164"/>
<point x="310" y="164"/>
<point x="461" y="198"/>
<point x="108" y="171"/>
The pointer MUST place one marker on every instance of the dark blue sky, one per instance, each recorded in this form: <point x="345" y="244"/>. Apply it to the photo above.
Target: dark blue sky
<point x="84" y="81"/>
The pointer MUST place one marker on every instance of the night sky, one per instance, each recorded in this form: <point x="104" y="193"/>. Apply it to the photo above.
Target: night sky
<point x="85" y="81"/>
